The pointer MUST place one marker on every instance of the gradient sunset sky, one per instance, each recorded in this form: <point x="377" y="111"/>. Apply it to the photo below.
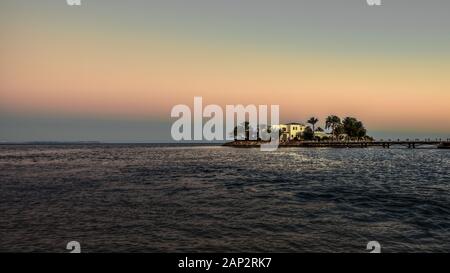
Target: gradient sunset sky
<point x="112" y="70"/>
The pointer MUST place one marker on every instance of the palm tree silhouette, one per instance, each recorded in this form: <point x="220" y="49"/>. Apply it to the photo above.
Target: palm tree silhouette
<point x="332" y="122"/>
<point x="245" y="127"/>
<point x="313" y="122"/>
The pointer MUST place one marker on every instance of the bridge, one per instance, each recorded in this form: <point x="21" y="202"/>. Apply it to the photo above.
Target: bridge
<point x="411" y="144"/>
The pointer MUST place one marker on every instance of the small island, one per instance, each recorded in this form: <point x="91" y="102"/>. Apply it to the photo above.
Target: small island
<point x="338" y="133"/>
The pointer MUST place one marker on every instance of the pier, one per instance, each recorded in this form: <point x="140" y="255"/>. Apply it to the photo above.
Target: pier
<point x="386" y="144"/>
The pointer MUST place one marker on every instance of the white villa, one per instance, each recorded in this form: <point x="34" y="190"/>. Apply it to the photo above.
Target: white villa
<point x="290" y="131"/>
<point x="293" y="130"/>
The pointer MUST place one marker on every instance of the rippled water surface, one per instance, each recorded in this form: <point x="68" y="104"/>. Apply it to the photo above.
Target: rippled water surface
<point x="153" y="198"/>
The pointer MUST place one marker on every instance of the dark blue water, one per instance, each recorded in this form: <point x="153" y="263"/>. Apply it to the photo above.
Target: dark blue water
<point x="144" y="198"/>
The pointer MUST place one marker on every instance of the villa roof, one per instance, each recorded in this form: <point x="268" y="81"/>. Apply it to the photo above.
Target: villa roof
<point x="295" y="123"/>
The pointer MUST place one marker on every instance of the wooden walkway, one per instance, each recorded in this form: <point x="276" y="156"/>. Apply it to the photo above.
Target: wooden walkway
<point x="411" y="144"/>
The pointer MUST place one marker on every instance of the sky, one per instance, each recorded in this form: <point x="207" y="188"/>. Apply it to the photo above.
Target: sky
<point x="112" y="70"/>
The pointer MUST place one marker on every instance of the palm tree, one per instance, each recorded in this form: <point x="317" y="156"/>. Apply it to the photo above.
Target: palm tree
<point x="313" y="122"/>
<point x="269" y="129"/>
<point x="245" y="127"/>
<point x="248" y="129"/>
<point x="235" y="132"/>
<point x="332" y="122"/>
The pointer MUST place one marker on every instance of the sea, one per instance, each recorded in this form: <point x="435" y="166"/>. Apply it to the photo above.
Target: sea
<point x="157" y="198"/>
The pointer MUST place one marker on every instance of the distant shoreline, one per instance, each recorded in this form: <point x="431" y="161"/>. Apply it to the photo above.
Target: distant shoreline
<point x="60" y="143"/>
<point x="49" y="142"/>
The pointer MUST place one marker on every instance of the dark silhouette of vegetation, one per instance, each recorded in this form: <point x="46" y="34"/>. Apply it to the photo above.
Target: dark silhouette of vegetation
<point x="263" y="129"/>
<point x="347" y="129"/>
<point x="308" y="134"/>
<point x="351" y="127"/>
<point x="354" y="128"/>
<point x="313" y="122"/>
<point x="245" y="127"/>
<point x="332" y="122"/>
<point x="338" y="130"/>
<point x="269" y="131"/>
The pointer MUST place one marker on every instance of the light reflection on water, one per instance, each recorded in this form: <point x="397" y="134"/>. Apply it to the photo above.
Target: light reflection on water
<point x="153" y="198"/>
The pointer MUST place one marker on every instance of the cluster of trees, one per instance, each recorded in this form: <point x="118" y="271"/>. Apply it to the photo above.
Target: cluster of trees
<point x="248" y="131"/>
<point x="349" y="127"/>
